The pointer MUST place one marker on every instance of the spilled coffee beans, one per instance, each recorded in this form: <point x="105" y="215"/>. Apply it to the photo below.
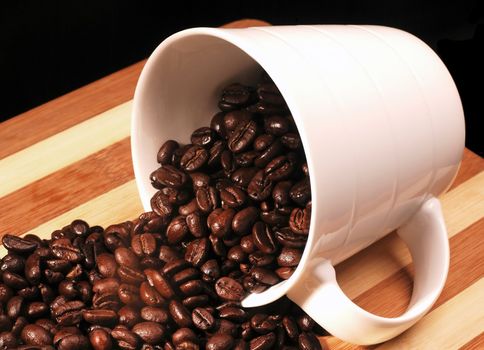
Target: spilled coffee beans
<point x="231" y="216"/>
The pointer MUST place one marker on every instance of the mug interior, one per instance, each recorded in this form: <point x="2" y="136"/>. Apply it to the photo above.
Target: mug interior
<point x="177" y="92"/>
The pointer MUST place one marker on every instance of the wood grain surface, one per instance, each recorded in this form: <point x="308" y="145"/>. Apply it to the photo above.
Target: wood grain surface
<point x="70" y="158"/>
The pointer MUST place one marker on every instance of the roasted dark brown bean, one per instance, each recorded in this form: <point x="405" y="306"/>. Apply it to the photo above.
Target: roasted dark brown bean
<point x="289" y="257"/>
<point x="149" y="332"/>
<point x="263" y="342"/>
<point x="180" y="314"/>
<point x="260" y="187"/>
<point x="229" y="289"/>
<point x="100" y="339"/>
<point x="299" y="220"/>
<point x="18" y="245"/>
<point x="197" y="251"/>
<point x="263" y="238"/>
<point x="33" y="334"/>
<point x="308" y="341"/>
<point x="220" y="341"/>
<point x="242" y="136"/>
<point x="168" y="175"/>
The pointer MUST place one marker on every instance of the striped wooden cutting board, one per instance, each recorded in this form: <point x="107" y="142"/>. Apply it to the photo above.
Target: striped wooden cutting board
<point x="70" y="158"/>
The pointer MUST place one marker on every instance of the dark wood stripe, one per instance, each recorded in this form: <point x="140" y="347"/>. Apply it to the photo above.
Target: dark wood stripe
<point x="390" y="297"/>
<point x="472" y="164"/>
<point x="67" y="188"/>
<point x="475" y="344"/>
<point x="68" y="110"/>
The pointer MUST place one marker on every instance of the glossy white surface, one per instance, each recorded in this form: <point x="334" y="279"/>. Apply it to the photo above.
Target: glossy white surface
<point x="379" y="115"/>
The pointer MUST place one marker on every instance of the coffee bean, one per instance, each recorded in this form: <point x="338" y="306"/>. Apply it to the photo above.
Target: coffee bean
<point x="168" y="175"/>
<point x="149" y="332"/>
<point x="260" y="187"/>
<point x="192" y="288"/>
<point x="36" y="309"/>
<point x="183" y="335"/>
<point x="287" y="238"/>
<point x="305" y="323"/>
<point x="18" y="245"/>
<point x="242" y="136"/>
<point x="229" y="289"/>
<point x="242" y="177"/>
<point x="233" y="313"/>
<point x="281" y="167"/>
<point x="269" y="93"/>
<point x="285" y="272"/>
<point x="168" y="254"/>
<point x="194" y="158"/>
<point x="203" y="136"/>
<point x="194" y="301"/>
<point x="300" y="193"/>
<point x="177" y="230"/>
<point x="8" y="340"/>
<point x="244" y="219"/>
<point x="210" y="270"/>
<point x="100" y="339"/>
<point x="154" y="314"/>
<point x="235" y="96"/>
<point x="68" y="313"/>
<point x="197" y="251"/>
<point x="291" y="141"/>
<point x="246" y="159"/>
<point x="232" y="197"/>
<point x="14" y="280"/>
<point x="263" y="342"/>
<point x="308" y="341"/>
<point x="273" y="150"/>
<point x="221" y="226"/>
<point x="264" y="276"/>
<point x="179" y="313"/>
<point x="197" y="224"/>
<point x="144" y="244"/>
<point x="185" y="275"/>
<point x="125" y="338"/>
<point x="220" y="341"/>
<point x="161" y="205"/>
<point x="160" y="283"/>
<point x="203" y="319"/>
<point x="262" y="323"/>
<point x="206" y="199"/>
<point x="128" y="294"/>
<point x="165" y="152"/>
<point x="247" y="244"/>
<point x="174" y="266"/>
<point x="263" y="141"/>
<point x="125" y="257"/>
<point x="33" y="334"/>
<point x="299" y="220"/>
<point x="289" y="257"/>
<point x="263" y="238"/>
<point x="276" y="125"/>
<point x="63" y="249"/>
<point x="13" y="263"/>
<point x="106" y="264"/>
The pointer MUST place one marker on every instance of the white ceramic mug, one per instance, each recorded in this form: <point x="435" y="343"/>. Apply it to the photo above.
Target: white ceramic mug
<point x="382" y="127"/>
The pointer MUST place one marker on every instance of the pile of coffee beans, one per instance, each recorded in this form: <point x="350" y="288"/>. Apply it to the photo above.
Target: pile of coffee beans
<point x="230" y="217"/>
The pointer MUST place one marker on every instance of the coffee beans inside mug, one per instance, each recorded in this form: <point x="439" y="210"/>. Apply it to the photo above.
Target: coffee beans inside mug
<point x="230" y="217"/>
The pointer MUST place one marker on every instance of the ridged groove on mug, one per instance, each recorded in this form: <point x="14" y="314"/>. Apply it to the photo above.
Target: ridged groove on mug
<point x="389" y="125"/>
<point x="311" y="241"/>
<point x="428" y="108"/>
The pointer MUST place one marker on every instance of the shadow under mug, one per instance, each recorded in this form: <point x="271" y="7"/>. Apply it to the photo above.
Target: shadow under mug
<point x="382" y="126"/>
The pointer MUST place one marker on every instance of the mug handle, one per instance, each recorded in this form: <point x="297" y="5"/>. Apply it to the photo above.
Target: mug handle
<point x="321" y="297"/>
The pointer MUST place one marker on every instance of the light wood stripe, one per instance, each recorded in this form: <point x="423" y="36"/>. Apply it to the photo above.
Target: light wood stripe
<point x="462" y="206"/>
<point x="390" y="296"/>
<point x="45" y="157"/>
<point x="450" y="326"/>
<point x="115" y="206"/>
<point x="67" y="188"/>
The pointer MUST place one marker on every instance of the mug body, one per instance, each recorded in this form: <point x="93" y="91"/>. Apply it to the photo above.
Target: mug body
<point x="378" y="113"/>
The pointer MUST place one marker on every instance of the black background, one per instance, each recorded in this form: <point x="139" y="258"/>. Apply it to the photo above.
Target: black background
<point x="48" y="48"/>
